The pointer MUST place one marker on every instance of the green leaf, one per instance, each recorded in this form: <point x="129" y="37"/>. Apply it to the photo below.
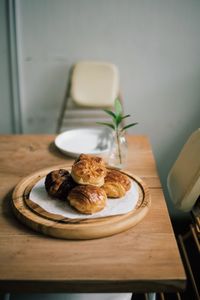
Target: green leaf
<point x="118" y="107"/>
<point x="126" y="116"/>
<point x="130" y="125"/>
<point x="109" y="112"/>
<point x="106" y="124"/>
<point x="118" y="120"/>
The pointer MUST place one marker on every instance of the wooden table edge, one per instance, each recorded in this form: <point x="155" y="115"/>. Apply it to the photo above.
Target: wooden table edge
<point x="95" y="286"/>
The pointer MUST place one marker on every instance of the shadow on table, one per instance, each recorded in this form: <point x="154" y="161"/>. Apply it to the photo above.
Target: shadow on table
<point x="56" y="152"/>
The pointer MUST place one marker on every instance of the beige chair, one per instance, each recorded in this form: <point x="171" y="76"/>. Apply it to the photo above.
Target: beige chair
<point x="184" y="177"/>
<point x="92" y="86"/>
<point x="184" y="189"/>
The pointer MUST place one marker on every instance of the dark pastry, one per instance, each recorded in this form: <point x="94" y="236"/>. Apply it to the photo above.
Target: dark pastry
<point x="59" y="183"/>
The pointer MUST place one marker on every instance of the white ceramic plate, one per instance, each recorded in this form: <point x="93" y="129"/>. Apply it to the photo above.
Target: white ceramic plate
<point x="85" y="140"/>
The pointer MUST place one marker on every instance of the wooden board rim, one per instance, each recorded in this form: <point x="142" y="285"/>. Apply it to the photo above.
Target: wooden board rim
<point x="86" y="230"/>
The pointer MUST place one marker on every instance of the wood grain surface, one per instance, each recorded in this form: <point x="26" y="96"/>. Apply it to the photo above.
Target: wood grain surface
<point x="57" y="226"/>
<point x="143" y="258"/>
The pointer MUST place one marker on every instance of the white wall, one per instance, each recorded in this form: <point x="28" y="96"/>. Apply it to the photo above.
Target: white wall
<point x="155" y="43"/>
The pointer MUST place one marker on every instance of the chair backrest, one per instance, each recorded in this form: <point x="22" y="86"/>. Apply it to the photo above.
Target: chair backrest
<point x="94" y="84"/>
<point x="184" y="178"/>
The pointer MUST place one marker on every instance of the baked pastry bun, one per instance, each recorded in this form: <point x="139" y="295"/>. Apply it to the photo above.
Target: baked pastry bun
<point x="87" y="199"/>
<point x="89" y="169"/>
<point x="96" y="159"/>
<point x="59" y="183"/>
<point x="116" y="184"/>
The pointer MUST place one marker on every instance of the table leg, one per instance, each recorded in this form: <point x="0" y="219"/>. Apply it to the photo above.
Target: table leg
<point x="6" y="296"/>
<point x="151" y="296"/>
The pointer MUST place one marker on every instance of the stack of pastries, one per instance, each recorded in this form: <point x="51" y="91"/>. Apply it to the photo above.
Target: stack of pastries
<point x="89" y="184"/>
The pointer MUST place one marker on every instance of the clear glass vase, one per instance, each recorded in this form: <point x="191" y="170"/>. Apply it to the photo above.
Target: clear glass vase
<point x="118" y="150"/>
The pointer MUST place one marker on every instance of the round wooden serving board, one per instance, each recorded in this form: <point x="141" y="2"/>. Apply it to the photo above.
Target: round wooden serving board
<point x="57" y="226"/>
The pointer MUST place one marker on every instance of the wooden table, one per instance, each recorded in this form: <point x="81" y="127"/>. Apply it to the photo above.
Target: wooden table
<point x="142" y="259"/>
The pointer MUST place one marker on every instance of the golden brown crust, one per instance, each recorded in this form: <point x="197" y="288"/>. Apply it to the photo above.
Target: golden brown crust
<point x="116" y="184"/>
<point x="89" y="169"/>
<point x="114" y="189"/>
<point x="87" y="199"/>
<point x="117" y="176"/>
<point x="88" y="157"/>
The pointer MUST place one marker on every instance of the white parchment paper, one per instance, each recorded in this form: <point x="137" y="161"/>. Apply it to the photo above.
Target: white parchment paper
<point x="117" y="206"/>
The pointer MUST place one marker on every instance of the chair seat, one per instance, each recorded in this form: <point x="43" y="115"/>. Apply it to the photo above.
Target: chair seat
<point x="78" y="117"/>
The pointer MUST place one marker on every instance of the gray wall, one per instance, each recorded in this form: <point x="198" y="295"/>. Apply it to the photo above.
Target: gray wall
<point x="155" y="44"/>
<point x="6" y="125"/>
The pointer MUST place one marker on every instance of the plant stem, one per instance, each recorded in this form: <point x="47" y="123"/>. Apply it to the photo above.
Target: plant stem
<point x="118" y="145"/>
